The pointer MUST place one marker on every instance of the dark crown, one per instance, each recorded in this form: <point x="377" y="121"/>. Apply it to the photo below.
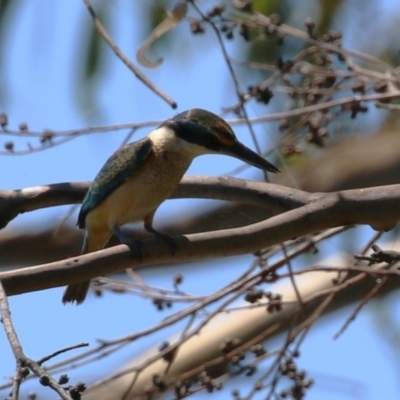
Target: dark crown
<point x="203" y="128"/>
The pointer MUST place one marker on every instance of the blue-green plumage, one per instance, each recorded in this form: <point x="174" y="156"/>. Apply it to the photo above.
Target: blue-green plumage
<point x="117" y="169"/>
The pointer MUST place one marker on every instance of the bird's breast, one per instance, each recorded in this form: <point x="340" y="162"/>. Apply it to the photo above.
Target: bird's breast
<point x="144" y="191"/>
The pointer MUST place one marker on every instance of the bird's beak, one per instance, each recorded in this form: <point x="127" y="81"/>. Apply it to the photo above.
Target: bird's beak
<point x="240" y="151"/>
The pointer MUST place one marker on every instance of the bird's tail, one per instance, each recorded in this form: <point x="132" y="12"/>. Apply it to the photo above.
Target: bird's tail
<point x="78" y="291"/>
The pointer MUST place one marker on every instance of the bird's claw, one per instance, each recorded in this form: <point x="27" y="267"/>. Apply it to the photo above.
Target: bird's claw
<point x="168" y="240"/>
<point x="136" y="248"/>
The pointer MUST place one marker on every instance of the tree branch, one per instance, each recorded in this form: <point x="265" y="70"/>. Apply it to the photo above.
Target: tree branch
<point x="377" y="207"/>
<point x="278" y="198"/>
<point x="203" y="349"/>
<point x="23" y="362"/>
<point x="104" y="34"/>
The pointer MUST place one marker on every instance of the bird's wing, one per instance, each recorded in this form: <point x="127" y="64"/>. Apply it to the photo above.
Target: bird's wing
<point x="117" y="169"/>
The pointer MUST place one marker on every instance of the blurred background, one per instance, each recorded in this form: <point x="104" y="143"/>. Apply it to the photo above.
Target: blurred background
<point x="57" y="75"/>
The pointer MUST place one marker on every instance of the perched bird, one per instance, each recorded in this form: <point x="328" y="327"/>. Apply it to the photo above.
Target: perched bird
<point x="138" y="177"/>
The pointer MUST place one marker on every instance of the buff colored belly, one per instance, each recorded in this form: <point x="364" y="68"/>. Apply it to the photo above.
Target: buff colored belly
<point x="142" y="193"/>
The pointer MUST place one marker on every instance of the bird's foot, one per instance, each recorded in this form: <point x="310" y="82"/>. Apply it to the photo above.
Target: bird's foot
<point x="135" y="246"/>
<point x="168" y="240"/>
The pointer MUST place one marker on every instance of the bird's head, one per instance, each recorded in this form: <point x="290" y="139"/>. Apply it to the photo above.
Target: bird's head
<point x="203" y="132"/>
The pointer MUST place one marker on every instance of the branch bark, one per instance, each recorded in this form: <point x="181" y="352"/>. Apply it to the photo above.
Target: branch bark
<point x="377" y="207"/>
<point x="275" y="197"/>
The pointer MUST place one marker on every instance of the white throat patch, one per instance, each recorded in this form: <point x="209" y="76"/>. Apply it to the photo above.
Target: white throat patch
<point x="164" y="139"/>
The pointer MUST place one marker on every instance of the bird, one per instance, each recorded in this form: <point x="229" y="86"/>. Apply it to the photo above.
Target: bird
<point x="139" y="176"/>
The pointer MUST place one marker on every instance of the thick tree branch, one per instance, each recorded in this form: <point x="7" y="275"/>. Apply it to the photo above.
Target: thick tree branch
<point x="377" y="207"/>
<point x="14" y="202"/>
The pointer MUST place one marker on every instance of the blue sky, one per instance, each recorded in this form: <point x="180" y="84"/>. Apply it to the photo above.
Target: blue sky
<point x="39" y="72"/>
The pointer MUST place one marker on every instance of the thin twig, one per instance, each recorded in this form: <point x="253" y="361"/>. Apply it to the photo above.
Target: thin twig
<point x="21" y="359"/>
<point x="58" y="352"/>
<point x="363" y="302"/>
<point x="234" y="78"/>
<point x="291" y="277"/>
<point x="65" y="136"/>
<point x="103" y="32"/>
<point x="317" y="107"/>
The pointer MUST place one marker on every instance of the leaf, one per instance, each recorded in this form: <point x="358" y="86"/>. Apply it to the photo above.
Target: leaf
<point x="172" y="19"/>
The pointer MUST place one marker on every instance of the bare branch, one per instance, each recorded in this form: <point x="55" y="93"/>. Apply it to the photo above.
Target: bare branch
<point x="103" y="32"/>
<point x="249" y="325"/>
<point x="56" y="353"/>
<point x="326" y="211"/>
<point x="364" y="301"/>
<point x="24" y="364"/>
<point x="15" y="202"/>
<point x="319" y="107"/>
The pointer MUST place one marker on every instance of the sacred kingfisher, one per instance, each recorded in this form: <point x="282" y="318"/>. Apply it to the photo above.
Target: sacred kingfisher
<point x="139" y="176"/>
